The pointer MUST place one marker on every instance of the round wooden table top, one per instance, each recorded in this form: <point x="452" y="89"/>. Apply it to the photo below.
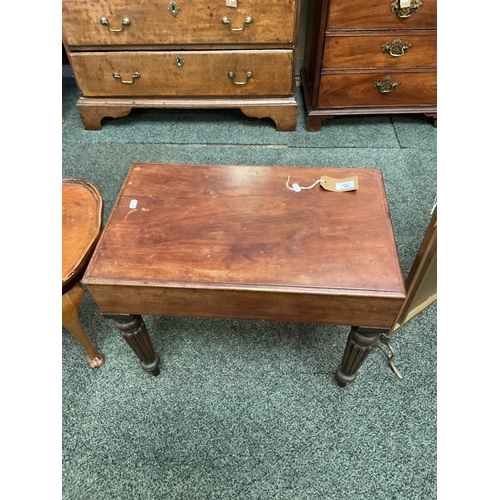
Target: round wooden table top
<point x="82" y="210"/>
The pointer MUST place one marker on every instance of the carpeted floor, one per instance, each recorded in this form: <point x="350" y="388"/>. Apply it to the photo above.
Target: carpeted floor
<point x="249" y="409"/>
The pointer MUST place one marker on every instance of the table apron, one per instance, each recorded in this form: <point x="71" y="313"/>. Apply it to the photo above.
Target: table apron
<point x="366" y="310"/>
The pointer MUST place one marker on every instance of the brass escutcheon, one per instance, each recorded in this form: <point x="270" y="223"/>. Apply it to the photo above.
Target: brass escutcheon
<point x="135" y="76"/>
<point x="173" y="8"/>
<point x="404" y="12"/>
<point x="179" y="62"/>
<point x="125" y="23"/>
<point x="387" y="85"/>
<point x="231" y="76"/>
<point x="225" y="20"/>
<point x="397" y="48"/>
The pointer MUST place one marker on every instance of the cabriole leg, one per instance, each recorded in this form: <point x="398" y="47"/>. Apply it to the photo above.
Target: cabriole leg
<point x="70" y="303"/>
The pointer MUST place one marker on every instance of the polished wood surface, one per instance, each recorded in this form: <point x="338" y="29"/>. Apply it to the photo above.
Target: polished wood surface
<point x="421" y="283"/>
<point x="359" y="14"/>
<point x="282" y="110"/>
<point x="357" y="89"/>
<point x="150" y="40"/>
<point x="233" y="241"/>
<point x="204" y="73"/>
<point x="198" y="22"/>
<point x="343" y="46"/>
<point x="70" y="303"/>
<point x="365" y="51"/>
<point x="82" y="209"/>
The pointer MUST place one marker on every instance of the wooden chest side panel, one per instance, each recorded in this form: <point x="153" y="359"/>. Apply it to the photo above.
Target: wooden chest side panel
<point x="359" y="14"/>
<point x="293" y="307"/>
<point x="357" y="89"/>
<point x="197" y="21"/>
<point x="365" y="51"/>
<point x="204" y="73"/>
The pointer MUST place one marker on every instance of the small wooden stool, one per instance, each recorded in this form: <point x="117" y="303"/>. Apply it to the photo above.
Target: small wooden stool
<point x="82" y="209"/>
<point x="237" y="242"/>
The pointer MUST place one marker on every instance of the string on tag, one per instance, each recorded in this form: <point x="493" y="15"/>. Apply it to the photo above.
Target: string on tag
<point x="295" y="187"/>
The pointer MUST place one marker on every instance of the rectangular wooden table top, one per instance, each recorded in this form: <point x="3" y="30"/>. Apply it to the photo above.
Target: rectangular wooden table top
<point x="234" y="241"/>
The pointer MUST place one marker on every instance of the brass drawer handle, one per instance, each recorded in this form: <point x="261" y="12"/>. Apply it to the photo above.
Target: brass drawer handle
<point x="397" y="48"/>
<point x="225" y="20"/>
<point x="231" y="75"/>
<point x="408" y="10"/>
<point x="135" y="76"/>
<point x="387" y="85"/>
<point x="125" y="23"/>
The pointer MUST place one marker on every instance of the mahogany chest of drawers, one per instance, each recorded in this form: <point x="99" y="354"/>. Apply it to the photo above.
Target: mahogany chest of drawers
<point x="183" y="54"/>
<point x="370" y="58"/>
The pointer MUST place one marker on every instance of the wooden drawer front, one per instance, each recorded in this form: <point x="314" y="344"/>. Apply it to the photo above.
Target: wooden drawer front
<point x="203" y="73"/>
<point x="360" y="14"/>
<point x="197" y="22"/>
<point x="366" y="51"/>
<point x="357" y="89"/>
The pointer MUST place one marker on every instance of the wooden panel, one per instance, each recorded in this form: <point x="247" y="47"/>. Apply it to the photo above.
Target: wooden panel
<point x="244" y="304"/>
<point x="198" y="22"/>
<point x="240" y="228"/>
<point x="360" y="14"/>
<point x="422" y="280"/>
<point x="365" y="51"/>
<point x="357" y="89"/>
<point x="205" y="73"/>
<point x="82" y="209"/>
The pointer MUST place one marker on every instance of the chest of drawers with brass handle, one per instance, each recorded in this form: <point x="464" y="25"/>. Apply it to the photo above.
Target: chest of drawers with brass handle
<point x="370" y="58"/>
<point x="183" y="54"/>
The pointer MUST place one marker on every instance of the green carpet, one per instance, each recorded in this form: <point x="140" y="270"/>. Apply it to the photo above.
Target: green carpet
<point x="249" y="409"/>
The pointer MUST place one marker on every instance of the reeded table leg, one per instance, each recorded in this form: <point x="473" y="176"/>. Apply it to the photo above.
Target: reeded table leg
<point x="135" y="333"/>
<point x="360" y="343"/>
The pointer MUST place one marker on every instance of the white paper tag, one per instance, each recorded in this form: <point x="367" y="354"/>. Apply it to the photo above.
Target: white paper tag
<point x="342" y="186"/>
<point x="133" y="204"/>
<point x="232" y="3"/>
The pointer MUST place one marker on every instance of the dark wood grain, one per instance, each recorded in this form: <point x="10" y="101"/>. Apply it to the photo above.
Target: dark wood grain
<point x="228" y="241"/>
<point x="358" y="14"/>
<point x="357" y="89"/>
<point x="344" y="39"/>
<point x="365" y="50"/>
<point x="360" y="343"/>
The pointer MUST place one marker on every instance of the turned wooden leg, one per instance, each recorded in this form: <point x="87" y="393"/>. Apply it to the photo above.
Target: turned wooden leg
<point x="70" y="320"/>
<point x="360" y="343"/>
<point x="135" y="333"/>
<point x="91" y="115"/>
<point x="284" y="116"/>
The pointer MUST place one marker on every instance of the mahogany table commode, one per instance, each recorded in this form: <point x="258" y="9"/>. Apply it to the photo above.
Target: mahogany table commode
<point x="226" y="241"/>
